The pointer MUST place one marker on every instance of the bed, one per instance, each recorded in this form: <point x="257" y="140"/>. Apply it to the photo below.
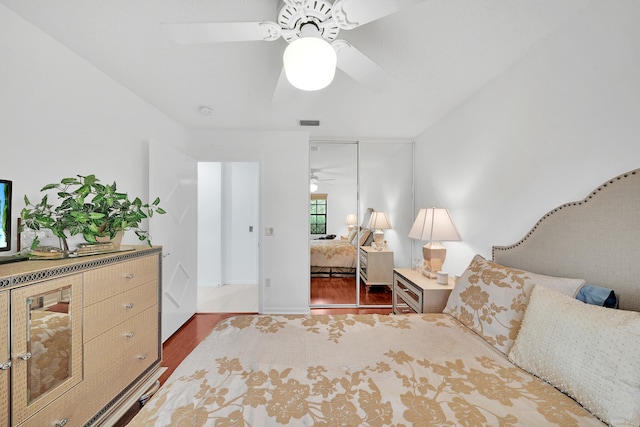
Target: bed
<point x="512" y="347"/>
<point x="337" y="257"/>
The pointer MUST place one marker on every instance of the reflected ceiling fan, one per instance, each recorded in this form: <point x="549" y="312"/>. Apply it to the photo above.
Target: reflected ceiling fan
<point x="314" y="180"/>
<point x="311" y="28"/>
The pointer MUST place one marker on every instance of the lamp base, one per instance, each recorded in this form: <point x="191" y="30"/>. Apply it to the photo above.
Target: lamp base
<point x="378" y="238"/>
<point x="434" y="255"/>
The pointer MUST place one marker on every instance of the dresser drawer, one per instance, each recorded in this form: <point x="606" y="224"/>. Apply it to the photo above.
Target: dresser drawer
<point x="127" y="343"/>
<point x="103" y="282"/>
<point x="110" y="312"/>
<point x="65" y="410"/>
<point x="407" y="292"/>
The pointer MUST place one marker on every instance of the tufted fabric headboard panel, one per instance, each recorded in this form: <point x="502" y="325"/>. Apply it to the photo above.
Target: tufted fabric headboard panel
<point x="596" y="239"/>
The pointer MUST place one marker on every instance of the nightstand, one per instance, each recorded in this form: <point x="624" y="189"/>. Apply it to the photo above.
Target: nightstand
<point x="415" y="293"/>
<point x="376" y="267"/>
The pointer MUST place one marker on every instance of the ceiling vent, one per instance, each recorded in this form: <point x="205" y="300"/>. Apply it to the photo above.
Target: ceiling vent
<point x="309" y="122"/>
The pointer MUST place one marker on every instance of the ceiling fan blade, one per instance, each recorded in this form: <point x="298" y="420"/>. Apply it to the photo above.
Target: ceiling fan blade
<point x="353" y="13"/>
<point x="220" y="32"/>
<point x="360" y="67"/>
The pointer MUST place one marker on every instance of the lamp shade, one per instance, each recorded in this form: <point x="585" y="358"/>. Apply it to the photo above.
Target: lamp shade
<point x="379" y="221"/>
<point x="351" y="219"/>
<point x="310" y="61"/>
<point x="434" y="224"/>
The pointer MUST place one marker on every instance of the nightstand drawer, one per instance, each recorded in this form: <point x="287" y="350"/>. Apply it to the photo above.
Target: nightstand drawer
<point x="414" y="291"/>
<point x="407" y="292"/>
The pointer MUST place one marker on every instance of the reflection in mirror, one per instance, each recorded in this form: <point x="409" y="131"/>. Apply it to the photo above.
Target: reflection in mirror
<point x="333" y="210"/>
<point x="48" y="341"/>
<point x="386" y="185"/>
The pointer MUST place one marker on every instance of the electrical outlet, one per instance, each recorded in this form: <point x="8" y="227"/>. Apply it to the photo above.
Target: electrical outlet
<point x="267" y="282"/>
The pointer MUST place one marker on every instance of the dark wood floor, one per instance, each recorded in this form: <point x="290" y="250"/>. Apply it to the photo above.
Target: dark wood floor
<point x="342" y="290"/>
<point x="181" y="343"/>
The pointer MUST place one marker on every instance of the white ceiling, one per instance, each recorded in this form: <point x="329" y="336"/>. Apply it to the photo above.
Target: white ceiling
<point x="440" y="52"/>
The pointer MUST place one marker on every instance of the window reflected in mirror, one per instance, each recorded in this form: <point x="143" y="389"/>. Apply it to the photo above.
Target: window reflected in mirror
<point x="48" y="341"/>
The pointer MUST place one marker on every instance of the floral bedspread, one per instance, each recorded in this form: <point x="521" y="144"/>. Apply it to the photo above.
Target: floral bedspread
<point x="353" y="370"/>
<point x="333" y="253"/>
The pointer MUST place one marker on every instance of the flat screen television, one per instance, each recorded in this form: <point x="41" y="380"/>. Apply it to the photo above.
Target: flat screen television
<point x="5" y="215"/>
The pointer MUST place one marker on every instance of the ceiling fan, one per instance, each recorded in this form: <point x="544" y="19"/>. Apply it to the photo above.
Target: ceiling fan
<point x="314" y="180"/>
<point x="297" y="21"/>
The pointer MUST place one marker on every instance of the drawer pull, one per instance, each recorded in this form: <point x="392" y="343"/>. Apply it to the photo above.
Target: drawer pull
<point x="129" y="335"/>
<point x="25" y="356"/>
<point x="130" y="305"/>
<point x="5" y="365"/>
<point x="405" y="310"/>
<point x="129" y="276"/>
<point x="62" y="423"/>
<point x="141" y="356"/>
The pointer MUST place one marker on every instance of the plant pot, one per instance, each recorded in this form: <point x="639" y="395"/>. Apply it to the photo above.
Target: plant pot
<point x="115" y="241"/>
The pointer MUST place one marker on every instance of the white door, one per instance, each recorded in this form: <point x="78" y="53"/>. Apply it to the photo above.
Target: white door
<point x="173" y="176"/>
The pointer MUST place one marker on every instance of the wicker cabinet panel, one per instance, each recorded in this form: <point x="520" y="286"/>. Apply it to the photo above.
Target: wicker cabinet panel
<point x="33" y="338"/>
<point x="5" y="362"/>
<point x="106" y="314"/>
<point x="117" y="278"/>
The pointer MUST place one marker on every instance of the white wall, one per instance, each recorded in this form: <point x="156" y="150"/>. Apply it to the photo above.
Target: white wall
<point x="556" y="125"/>
<point x="60" y="116"/>
<point x="284" y="204"/>
<point x="209" y="224"/>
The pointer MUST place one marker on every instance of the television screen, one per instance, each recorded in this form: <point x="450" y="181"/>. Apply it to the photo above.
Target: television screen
<point x="5" y="215"/>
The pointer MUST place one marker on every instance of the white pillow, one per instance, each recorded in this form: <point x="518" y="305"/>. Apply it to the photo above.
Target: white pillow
<point x="589" y="352"/>
<point x="491" y="299"/>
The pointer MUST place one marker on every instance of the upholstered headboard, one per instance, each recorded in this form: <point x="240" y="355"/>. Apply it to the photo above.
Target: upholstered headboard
<point x="596" y="239"/>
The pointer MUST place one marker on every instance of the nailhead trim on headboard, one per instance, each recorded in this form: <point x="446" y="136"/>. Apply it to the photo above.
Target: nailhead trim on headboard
<point x="494" y="249"/>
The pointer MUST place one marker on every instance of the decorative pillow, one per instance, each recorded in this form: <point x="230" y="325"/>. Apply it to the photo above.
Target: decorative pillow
<point x="352" y="235"/>
<point x="590" y="353"/>
<point x="491" y="299"/>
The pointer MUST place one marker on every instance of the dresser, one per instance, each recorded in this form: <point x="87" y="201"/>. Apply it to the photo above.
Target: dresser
<point x="415" y="293"/>
<point x="85" y="337"/>
<point x="376" y="267"/>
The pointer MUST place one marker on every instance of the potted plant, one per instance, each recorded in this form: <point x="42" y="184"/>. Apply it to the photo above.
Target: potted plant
<point x="87" y="207"/>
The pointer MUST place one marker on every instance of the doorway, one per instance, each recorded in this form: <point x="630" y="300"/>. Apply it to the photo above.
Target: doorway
<point x="228" y="224"/>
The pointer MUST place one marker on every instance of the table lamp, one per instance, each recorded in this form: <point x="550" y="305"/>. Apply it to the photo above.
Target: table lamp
<point x="379" y="222"/>
<point x="434" y="225"/>
<point x="351" y="221"/>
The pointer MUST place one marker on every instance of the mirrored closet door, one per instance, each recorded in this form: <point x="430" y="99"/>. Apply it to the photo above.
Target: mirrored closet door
<point x="386" y="206"/>
<point x="333" y="216"/>
<point x="350" y="183"/>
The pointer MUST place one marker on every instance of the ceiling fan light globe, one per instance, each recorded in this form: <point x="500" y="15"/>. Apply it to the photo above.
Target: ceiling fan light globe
<point x="310" y="63"/>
